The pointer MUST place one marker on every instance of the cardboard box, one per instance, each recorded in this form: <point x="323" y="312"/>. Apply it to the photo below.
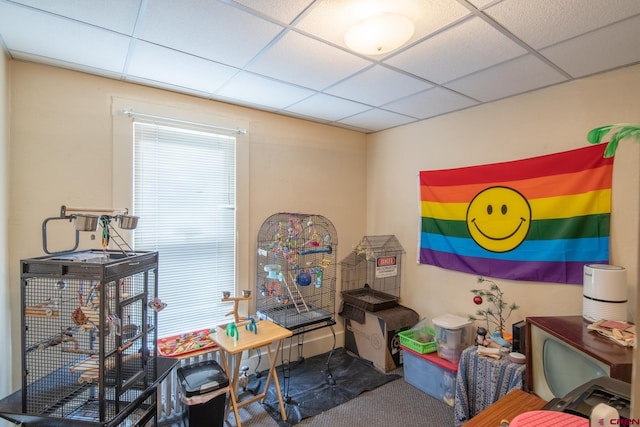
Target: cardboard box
<point x="374" y="337"/>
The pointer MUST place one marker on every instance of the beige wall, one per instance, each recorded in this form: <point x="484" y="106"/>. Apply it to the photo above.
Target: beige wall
<point x="5" y="287"/>
<point x="62" y="150"/>
<point x="542" y="122"/>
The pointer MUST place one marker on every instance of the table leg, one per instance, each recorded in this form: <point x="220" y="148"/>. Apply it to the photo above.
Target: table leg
<point x="233" y="382"/>
<point x="272" y="371"/>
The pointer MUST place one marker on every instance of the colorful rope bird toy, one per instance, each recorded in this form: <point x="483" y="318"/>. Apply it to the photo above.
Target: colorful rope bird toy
<point x="232" y="331"/>
<point x="251" y="326"/>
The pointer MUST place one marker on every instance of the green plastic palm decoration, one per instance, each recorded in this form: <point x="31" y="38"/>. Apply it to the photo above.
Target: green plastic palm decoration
<point x="620" y="131"/>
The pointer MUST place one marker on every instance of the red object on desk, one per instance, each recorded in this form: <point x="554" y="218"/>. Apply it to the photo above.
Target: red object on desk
<point x="548" y="419"/>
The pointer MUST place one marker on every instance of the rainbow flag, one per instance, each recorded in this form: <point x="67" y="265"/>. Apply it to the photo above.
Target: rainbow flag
<point x="539" y="219"/>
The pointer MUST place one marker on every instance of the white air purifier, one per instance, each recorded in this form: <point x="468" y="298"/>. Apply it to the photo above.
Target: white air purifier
<point x="604" y="292"/>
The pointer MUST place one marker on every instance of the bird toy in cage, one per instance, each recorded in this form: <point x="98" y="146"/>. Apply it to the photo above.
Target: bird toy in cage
<point x="78" y="316"/>
<point x="318" y="282"/>
<point x="319" y="272"/>
<point x="287" y="240"/>
<point x="316" y="245"/>
<point x="104" y="222"/>
<point x="271" y="289"/>
<point x="274" y="274"/>
<point x="282" y="299"/>
<point x="157" y="304"/>
<point x="303" y="278"/>
<point x="273" y="271"/>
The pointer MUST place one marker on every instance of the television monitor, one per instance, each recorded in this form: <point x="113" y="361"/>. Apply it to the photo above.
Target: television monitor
<point x="562" y="354"/>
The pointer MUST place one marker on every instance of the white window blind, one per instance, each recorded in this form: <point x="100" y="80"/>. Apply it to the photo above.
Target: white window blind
<point x="184" y="194"/>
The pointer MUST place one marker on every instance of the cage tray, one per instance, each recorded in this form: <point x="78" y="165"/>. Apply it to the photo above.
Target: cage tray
<point x="91" y="412"/>
<point x="369" y="299"/>
<point x="288" y="317"/>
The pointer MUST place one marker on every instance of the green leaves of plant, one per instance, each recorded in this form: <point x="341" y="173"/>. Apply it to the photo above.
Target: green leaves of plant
<point x="496" y="314"/>
<point x="622" y="131"/>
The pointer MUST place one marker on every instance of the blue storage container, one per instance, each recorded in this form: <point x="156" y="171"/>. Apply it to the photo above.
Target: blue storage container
<point x="431" y="374"/>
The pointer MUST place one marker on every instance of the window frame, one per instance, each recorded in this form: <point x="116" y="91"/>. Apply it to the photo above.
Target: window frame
<point x="122" y="166"/>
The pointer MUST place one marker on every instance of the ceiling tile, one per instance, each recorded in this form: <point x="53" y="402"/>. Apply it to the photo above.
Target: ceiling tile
<point x="115" y="15"/>
<point x="283" y="11"/>
<point x="209" y="29"/>
<point x="430" y="103"/>
<point x="378" y="85"/>
<point x="307" y="62"/>
<point x="259" y="90"/>
<point x="71" y="42"/>
<point x="428" y="16"/>
<point x="476" y="45"/>
<point x="165" y="65"/>
<point x="289" y="57"/>
<point x="542" y="23"/>
<point x="516" y="76"/>
<point x="608" y="48"/>
<point x="327" y="107"/>
<point x="376" y="120"/>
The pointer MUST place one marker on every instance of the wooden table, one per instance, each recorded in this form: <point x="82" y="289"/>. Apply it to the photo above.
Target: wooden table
<point x="270" y="336"/>
<point x="507" y="408"/>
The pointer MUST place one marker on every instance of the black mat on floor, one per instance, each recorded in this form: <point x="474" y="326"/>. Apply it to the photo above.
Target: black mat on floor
<point x="307" y="392"/>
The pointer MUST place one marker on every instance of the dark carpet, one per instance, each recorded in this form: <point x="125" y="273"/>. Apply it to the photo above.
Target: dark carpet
<point x="309" y="389"/>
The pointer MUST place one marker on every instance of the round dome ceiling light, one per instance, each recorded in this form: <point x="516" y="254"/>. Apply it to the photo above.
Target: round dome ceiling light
<point x="379" y="34"/>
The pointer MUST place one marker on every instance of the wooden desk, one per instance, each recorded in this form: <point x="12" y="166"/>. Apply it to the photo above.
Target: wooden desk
<point x="269" y="336"/>
<point x="514" y="403"/>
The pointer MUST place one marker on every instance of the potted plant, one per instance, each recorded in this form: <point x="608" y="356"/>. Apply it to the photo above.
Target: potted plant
<point x="497" y="314"/>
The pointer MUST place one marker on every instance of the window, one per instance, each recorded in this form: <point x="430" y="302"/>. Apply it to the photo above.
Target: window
<point x="184" y="192"/>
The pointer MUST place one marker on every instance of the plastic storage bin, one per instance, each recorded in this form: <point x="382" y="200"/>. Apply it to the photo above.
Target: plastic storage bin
<point x="453" y="334"/>
<point x="414" y="339"/>
<point x="204" y="388"/>
<point x="431" y="374"/>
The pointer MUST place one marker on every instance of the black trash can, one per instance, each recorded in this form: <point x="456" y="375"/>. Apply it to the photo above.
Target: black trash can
<point x="204" y="393"/>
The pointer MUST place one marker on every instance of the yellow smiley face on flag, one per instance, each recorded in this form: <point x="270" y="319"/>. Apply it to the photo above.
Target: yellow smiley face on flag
<point x="499" y="218"/>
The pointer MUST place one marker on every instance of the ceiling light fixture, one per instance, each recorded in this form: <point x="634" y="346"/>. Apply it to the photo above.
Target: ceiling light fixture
<point x="379" y="34"/>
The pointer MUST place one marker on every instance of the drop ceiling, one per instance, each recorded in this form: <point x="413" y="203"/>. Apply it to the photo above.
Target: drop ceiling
<point x="289" y="56"/>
